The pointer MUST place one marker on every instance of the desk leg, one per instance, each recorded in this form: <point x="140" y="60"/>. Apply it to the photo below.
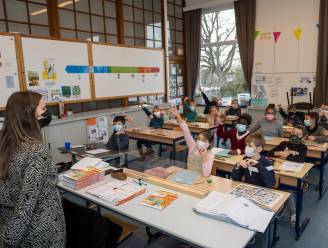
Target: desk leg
<point x="269" y="235"/>
<point x="160" y="150"/>
<point x="322" y="187"/>
<point x="126" y="161"/>
<point x="275" y="238"/>
<point x="173" y="150"/>
<point x="299" y="228"/>
<point x="151" y="235"/>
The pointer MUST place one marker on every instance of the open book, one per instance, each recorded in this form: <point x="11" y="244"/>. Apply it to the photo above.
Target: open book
<point x="234" y="209"/>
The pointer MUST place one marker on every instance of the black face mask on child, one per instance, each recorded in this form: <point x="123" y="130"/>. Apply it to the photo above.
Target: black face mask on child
<point x="45" y="121"/>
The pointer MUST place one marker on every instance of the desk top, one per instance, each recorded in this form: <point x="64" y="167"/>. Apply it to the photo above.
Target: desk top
<point x="274" y="141"/>
<point x="81" y="151"/>
<point x="148" y="132"/>
<point x="200" y="188"/>
<point x="178" y="219"/>
<point x="234" y="159"/>
<point x="195" y="127"/>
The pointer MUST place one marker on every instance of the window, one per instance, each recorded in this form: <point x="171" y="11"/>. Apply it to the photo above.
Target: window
<point x="221" y="71"/>
<point x="175" y="26"/>
<point x="143" y="23"/>
<point x="93" y="20"/>
<point x="24" y="16"/>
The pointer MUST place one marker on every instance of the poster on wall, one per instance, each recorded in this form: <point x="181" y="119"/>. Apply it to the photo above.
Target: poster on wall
<point x="97" y="129"/>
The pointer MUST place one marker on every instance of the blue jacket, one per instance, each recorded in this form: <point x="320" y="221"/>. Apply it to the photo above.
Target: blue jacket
<point x="262" y="173"/>
<point x="154" y="121"/>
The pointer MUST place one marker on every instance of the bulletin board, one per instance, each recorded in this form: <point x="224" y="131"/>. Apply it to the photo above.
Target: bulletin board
<point x="59" y="70"/>
<point x="9" y="72"/>
<point x="127" y="71"/>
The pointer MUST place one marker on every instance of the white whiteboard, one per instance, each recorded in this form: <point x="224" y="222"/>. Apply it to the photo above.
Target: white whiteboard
<point x="125" y="81"/>
<point x="45" y="63"/>
<point x="289" y="62"/>
<point x="9" y="81"/>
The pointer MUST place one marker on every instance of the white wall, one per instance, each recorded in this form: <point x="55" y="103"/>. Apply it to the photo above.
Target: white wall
<point x="285" y="62"/>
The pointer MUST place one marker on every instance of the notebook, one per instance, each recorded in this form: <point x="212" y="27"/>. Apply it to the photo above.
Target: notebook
<point x="160" y="199"/>
<point x="185" y="177"/>
<point x="234" y="209"/>
<point x="219" y="152"/>
<point x="291" y="166"/>
<point x="117" y="192"/>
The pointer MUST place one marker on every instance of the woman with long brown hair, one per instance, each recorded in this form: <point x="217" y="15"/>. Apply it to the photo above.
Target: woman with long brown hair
<point x="31" y="213"/>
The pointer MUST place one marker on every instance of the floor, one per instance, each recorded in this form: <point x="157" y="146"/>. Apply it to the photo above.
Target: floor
<point x="315" y="235"/>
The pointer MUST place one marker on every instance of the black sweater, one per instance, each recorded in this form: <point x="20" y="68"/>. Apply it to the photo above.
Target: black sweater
<point x="262" y="173"/>
<point x="232" y="111"/>
<point x="298" y="151"/>
<point x="208" y="103"/>
<point x="118" y="142"/>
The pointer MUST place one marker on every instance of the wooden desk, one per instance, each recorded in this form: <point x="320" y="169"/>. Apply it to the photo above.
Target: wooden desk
<point x="159" y="136"/>
<point x="81" y="151"/>
<point x="194" y="127"/>
<point x="318" y="152"/>
<point x="290" y="179"/>
<point x="229" y="120"/>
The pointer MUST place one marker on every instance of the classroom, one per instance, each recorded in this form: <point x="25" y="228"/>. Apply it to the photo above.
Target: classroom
<point x="163" y="123"/>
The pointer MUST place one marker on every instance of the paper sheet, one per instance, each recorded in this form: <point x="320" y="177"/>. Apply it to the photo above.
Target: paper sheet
<point x="97" y="151"/>
<point x="291" y="166"/>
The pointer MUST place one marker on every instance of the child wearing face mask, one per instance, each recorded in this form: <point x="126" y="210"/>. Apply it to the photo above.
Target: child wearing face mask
<point x="200" y="157"/>
<point x="269" y="126"/>
<point x="190" y="109"/>
<point x="213" y="118"/>
<point x="256" y="169"/>
<point x="119" y="140"/>
<point x="234" y="109"/>
<point x="236" y="135"/>
<point x="292" y="117"/>
<point x="313" y="131"/>
<point x="208" y="104"/>
<point x="292" y="150"/>
<point x="156" y="121"/>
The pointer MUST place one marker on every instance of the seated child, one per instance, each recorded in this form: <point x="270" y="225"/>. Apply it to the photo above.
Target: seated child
<point x="200" y="157"/>
<point x="190" y="109"/>
<point x="234" y="109"/>
<point x="292" y="117"/>
<point x="208" y="104"/>
<point x="156" y="121"/>
<point x="269" y="126"/>
<point x="119" y="140"/>
<point x="292" y="150"/>
<point x="313" y="131"/>
<point x="213" y="118"/>
<point x="236" y="135"/>
<point x="257" y="169"/>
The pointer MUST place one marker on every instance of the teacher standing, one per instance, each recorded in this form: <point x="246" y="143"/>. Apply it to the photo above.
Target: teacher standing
<point x="31" y="213"/>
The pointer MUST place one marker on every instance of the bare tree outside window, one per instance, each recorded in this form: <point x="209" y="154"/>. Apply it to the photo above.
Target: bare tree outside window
<point x="221" y="72"/>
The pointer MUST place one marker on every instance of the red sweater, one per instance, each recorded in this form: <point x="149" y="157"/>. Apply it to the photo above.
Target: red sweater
<point x="232" y="135"/>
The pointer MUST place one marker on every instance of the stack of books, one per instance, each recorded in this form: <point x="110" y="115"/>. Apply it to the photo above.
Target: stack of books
<point x="78" y="179"/>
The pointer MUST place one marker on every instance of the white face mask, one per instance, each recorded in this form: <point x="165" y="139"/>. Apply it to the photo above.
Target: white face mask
<point x="250" y="151"/>
<point x="157" y="114"/>
<point x="202" y="145"/>
<point x="193" y="108"/>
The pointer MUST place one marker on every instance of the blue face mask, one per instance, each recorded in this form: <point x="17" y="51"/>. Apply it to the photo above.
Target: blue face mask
<point x="307" y="123"/>
<point x="117" y="128"/>
<point x="241" y="128"/>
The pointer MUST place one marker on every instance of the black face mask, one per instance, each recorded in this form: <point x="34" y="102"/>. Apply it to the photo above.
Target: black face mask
<point x="45" y="121"/>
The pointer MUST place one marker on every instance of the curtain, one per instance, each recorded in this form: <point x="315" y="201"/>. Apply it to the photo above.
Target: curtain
<point x="192" y="24"/>
<point x="245" y="13"/>
<point x="321" y="88"/>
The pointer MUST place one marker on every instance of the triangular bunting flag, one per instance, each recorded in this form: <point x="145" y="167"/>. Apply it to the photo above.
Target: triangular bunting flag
<point x="298" y="33"/>
<point x="256" y="33"/>
<point x="276" y="36"/>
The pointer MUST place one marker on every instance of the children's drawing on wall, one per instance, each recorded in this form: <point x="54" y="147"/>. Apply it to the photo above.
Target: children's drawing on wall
<point x="259" y="88"/>
<point x="66" y="91"/>
<point x="10" y="82"/>
<point x="55" y="95"/>
<point x="48" y="69"/>
<point x="299" y="91"/>
<point x="33" y="78"/>
<point x="76" y="91"/>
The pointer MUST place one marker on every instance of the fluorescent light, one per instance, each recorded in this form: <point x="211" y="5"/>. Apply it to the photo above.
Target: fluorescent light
<point x="61" y="5"/>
